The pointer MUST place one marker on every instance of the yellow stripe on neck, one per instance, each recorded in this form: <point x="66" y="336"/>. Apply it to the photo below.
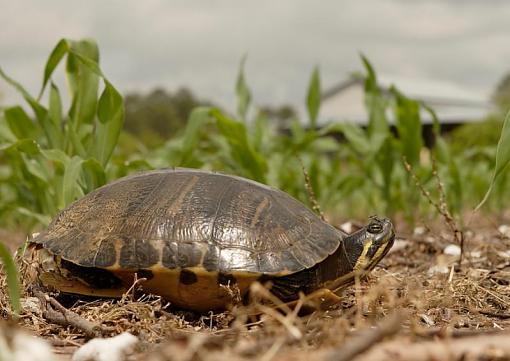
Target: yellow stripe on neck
<point x="362" y="260"/>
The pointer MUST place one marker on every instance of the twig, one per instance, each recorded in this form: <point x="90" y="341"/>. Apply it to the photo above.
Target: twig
<point x="131" y="291"/>
<point x="54" y="312"/>
<point x="481" y="347"/>
<point x="444" y="332"/>
<point x="501" y="315"/>
<point x="365" y="340"/>
<point x="458" y="234"/>
<point x="311" y="193"/>
<point x="442" y="207"/>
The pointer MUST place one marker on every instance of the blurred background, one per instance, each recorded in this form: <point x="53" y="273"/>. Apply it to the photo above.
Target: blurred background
<point x="348" y="88"/>
<point x="456" y="49"/>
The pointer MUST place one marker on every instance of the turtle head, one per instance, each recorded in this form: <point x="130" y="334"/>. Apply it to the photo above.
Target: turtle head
<point x="366" y="247"/>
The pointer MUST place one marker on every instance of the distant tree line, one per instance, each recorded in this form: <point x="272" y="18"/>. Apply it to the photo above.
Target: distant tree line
<point x="160" y="114"/>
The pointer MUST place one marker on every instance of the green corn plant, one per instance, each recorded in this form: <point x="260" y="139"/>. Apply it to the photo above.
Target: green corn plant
<point x="313" y="99"/>
<point x="54" y="158"/>
<point x="502" y="160"/>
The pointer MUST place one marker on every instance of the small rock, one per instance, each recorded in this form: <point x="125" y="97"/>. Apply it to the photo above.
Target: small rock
<point x="438" y="269"/>
<point x="430" y="239"/>
<point x="22" y="346"/>
<point x="475" y="254"/>
<point x="504" y="254"/>
<point x="31" y="304"/>
<point x="419" y="231"/>
<point x="452" y="250"/>
<point x="106" y="349"/>
<point x="504" y="229"/>
<point x="425" y="318"/>
<point x="399" y="244"/>
<point x="347" y="227"/>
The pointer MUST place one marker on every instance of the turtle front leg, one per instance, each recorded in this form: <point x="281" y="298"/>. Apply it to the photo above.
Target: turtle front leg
<point x="322" y="299"/>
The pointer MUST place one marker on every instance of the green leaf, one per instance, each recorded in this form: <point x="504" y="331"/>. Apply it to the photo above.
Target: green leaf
<point x="87" y="53"/>
<point x="356" y="138"/>
<point x="234" y="132"/>
<point x="386" y="162"/>
<point x="110" y="112"/>
<point x="94" y="174"/>
<point x="38" y="109"/>
<point x="83" y="81"/>
<point x="55" y="106"/>
<point x="375" y="102"/>
<point x="71" y="188"/>
<point x="20" y="123"/>
<point x="195" y="127"/>
<point x="13" y="284"/>
<point x="40" y="218"/>
<point x="73" y="138"/>
<point x="56" y="155"/>
<point x="52" y="124"/>
<point x="243" y="92"/>
<point x="313" y="99"/>
<point x="408" y="122"/>
<point x="502" y="157"/>
<point x="54" y="59"/>
<point x="28" y="146"/>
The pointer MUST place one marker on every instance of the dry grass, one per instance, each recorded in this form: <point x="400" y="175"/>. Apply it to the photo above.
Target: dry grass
<point x="417" y="279"/>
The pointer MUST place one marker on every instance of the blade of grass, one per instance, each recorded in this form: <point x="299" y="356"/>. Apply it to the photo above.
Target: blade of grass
<point x="243" y="92"/>
<point x="375" y="102"/>
<point x="58" y="52"/>
<point x="502" y="158"/>
<point x="20" y="123"/>
<point x="235" y="133"/>
<point x="38" y="109"/>
<point x="110" y="112"/>
<point x="408" y="122"/>
<point x="196" y="121"/>
<point x="84" y="82"/>
<point x="13" y="284"/>
<point x="313" y="98"/>
<point x="54" y="130"/>
<point x="71" y="189"/>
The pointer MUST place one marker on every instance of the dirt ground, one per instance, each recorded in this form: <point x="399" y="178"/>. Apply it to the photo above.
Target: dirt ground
<point x="418" y="304"/>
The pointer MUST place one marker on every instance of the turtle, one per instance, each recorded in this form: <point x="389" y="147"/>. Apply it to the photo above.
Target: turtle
<point x="192" y="235"/>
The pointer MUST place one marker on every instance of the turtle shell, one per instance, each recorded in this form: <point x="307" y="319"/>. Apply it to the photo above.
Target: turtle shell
<point x="182" y="218"/>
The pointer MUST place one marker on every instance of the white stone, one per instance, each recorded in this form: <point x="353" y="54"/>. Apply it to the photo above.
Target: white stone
<point x="438" y="269"/>
<point x="25" y="347"/>
<point x="452" y="250"/>
<point x="418" y="231"/>
<point x="346" y="227"/>
<point x="106" y="349"/>
<point x="504" y="229"/>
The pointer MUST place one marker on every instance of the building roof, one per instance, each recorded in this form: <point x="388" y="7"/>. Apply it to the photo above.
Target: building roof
<point x="451" y="102"/>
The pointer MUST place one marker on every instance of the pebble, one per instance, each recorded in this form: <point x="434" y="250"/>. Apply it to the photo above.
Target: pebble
<point x="504" y="229"/>
<point x="106" y="349"/>
<point x="452" y="250"/>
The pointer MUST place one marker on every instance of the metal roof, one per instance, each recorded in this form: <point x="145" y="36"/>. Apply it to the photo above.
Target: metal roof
<point x="451" y="102"/>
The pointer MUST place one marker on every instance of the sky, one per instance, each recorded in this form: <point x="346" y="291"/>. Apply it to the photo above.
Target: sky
<point x="200" y="43"/>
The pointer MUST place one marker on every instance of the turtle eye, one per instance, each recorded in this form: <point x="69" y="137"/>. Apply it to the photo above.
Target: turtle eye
<point x="374" y="227"/>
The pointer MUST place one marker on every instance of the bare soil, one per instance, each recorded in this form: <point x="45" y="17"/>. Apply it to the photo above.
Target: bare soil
<point x="418" y="304"/>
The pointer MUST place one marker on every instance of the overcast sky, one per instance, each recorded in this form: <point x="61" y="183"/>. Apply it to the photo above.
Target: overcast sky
<point x="199" y="44"/>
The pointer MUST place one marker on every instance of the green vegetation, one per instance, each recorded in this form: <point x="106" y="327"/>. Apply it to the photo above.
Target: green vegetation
<point x="53" y="157"/>
<point x="13" y="285"/>
<point x="158" y="115"/>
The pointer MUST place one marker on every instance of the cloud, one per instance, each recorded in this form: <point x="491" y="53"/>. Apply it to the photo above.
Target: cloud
<point x="199" y="44"/>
